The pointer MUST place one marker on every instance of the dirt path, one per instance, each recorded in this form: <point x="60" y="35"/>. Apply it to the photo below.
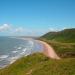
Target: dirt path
<point x="49" y="51"/>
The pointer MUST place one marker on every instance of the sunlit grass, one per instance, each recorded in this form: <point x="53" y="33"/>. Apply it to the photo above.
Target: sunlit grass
<point x="38" y="64"/>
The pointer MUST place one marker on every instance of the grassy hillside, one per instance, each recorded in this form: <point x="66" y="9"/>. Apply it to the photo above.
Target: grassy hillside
<point x="63" y="42"/>
<point x="67" y="35"/>
<point x="38" y="64"/>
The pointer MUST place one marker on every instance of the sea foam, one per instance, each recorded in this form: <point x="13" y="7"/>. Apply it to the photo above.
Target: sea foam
<point x="14" y="51"/>
<point x="3" y="56"/>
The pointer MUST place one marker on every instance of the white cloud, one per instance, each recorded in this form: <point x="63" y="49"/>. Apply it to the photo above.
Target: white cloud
<point x="12" y="30"/>
<point x="54" y="29"/>
<point x="4" y="27"/>
<point x="51" y="29"/>
<point x="20" y="29"/>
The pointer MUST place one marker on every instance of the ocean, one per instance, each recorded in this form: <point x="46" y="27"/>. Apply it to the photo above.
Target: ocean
<point x="13" y="48"/>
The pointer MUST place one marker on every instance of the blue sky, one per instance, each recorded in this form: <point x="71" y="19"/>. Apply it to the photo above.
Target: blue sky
<point x="35" y="17"/>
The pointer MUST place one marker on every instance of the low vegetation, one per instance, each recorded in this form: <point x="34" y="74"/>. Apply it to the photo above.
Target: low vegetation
<point x="63" y="42"/>
<point x="38" y="64"/>
<point x="67" y="35"/>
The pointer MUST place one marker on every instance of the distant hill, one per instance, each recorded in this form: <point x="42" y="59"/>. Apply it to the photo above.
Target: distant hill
<point x="67" y="35"/>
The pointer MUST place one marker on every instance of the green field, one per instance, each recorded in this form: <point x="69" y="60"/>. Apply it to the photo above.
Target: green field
<point x="37" y="64"/>
<point x="64" y="50"/>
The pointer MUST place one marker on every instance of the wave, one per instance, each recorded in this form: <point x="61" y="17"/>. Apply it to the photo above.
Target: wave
<point x="14" y="51"/>
<point x="23" y="51"/>
<point x="30" y="44"/>
<point x="19" y="48"/>
<point x="13" y="59"/>
<point x="18" y="52"/>
<point x="3" y="56"/>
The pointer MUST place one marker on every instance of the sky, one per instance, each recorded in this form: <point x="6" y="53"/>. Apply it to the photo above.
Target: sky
<point x="35" y="17"/>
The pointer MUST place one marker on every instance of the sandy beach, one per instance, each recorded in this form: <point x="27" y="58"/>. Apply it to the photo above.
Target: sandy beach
<point x="49" y="51"/>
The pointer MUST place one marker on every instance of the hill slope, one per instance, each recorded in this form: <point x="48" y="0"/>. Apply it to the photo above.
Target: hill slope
<point x="38" y="64"/>
<point x="63" y="42"/>
<point x="67" y="35"/>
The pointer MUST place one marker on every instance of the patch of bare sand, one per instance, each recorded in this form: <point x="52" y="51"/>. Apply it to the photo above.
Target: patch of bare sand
<point x="49" y="51"/>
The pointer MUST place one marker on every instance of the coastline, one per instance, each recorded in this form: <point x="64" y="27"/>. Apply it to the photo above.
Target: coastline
<point x="14" y="58"/>
<point x="48" y="50"/>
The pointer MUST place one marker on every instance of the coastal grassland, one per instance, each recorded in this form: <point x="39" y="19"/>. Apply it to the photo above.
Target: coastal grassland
<point x="62" y="49"/>
<point x="63" y="42"/>
<point x="38" y="64"/>
<point x="66" y="35"/>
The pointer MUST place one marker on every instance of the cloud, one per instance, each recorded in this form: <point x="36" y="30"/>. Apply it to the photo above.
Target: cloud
<point x="4" y="27"/>
<point x="8" y="29"/>
<point x="20" y="29"/>
<point x="52" y="29"/>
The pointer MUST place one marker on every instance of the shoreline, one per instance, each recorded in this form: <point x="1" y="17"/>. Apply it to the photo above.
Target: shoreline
<point x="13" y="59"/>
<point x="48" y="50"/>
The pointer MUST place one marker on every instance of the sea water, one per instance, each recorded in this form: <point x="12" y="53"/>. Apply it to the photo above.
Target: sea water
<point x="12" y="49"/>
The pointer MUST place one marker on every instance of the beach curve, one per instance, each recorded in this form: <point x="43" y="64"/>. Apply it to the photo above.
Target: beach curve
<point x="48" y="50"/>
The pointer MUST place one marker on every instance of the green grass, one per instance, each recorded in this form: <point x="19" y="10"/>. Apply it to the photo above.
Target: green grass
<point x="38" y="64"/>
<point x="62" y="49"/>
<point x="63" y="42"/>
<point x="67" y="35"/>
